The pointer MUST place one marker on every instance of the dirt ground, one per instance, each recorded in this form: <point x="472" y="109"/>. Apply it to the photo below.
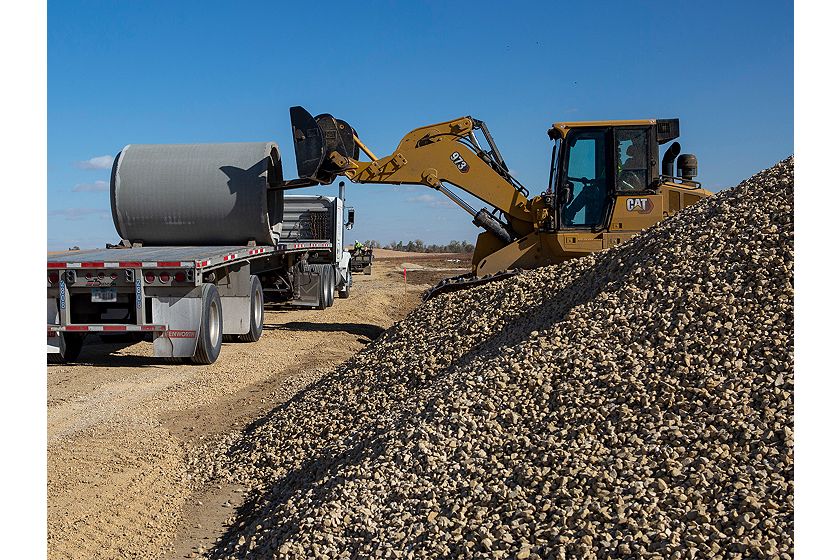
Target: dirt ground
<point x="121" y="423"/>
<point x="379" y="253"/>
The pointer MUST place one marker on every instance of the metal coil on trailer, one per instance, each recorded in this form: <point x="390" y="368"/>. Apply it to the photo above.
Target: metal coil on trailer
<point x="197" y="194"/>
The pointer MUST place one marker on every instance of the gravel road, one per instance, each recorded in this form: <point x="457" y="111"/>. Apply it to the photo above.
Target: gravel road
<point x="122" y="424"/>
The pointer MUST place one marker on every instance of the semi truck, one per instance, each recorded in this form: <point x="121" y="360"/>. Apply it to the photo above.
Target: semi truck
<point x="207" y="232"/>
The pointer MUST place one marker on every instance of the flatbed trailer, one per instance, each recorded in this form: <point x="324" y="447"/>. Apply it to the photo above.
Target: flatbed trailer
<point x="187" y="298"/>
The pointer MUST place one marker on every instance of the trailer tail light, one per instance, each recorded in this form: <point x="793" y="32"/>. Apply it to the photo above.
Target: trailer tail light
<point x="53" y="277"/>
<point x="164" y="277"/>
<point x="88" y="275"/>
<point x="180" y="276"/>
<point x="114" y="276"/>
<point x="150" y="277"/>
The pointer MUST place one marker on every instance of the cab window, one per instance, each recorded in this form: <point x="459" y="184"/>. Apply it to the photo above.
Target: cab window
<point x="631" y="170"/>
<point x="586" y="179"/>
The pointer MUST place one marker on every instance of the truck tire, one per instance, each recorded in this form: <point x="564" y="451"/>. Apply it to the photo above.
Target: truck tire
<point x="329" y="271"/>
<point x="71" y="346"/>
<point x="323" y="287"/>
<point x="257" y="312"/>
<point x="344" y="293"/>
<point x="210" y="331"/>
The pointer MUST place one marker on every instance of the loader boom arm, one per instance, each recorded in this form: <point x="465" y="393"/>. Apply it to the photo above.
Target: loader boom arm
<point x="444" y="153"/>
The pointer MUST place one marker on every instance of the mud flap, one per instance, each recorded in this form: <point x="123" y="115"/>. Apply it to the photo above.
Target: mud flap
<point x="343" y="270"/>
<point x="308" y="282"/>
<point x="53" y="343"/>
<point x="182" y="317"/>
<point x="53" y="338"/>
<point x="236" y="314"/>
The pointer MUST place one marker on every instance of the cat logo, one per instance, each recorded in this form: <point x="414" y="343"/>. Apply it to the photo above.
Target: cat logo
<point x="640" y="205"/>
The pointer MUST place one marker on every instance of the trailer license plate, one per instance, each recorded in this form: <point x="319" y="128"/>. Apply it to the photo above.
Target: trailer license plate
<point x="103" y="295"/>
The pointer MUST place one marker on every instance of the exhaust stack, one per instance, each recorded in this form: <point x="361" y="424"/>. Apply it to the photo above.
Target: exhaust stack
<point x="668" y="159"/>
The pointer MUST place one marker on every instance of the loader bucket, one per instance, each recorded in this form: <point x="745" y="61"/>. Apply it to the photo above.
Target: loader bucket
<point x="315" y="138"/>
<point x="310" y="150"/>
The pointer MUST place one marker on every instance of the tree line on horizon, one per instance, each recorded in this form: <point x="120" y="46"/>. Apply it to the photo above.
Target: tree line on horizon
<point x="419" y="246"/>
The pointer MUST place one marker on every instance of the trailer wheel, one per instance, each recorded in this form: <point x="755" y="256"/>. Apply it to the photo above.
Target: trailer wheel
<point x="344" y="293"/>
<point x="210" y="332"/>
<point x="257" y="312"/>
<point x="69" y="349"/>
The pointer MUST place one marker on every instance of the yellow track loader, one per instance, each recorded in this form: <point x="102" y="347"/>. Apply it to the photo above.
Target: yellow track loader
<point x="605" y="182"/>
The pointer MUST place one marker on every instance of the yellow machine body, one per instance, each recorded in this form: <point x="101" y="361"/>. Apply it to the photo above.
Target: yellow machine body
<point x="523" y="231"/>
<point x="541" y="248"/>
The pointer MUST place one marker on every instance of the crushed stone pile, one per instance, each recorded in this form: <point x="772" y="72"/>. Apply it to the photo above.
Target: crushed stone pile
<point x="633" y="403"/>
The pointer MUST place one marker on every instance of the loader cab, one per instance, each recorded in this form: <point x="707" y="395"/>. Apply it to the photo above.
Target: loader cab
<point x="585" y="182"/>
<point x="593" y="162"/>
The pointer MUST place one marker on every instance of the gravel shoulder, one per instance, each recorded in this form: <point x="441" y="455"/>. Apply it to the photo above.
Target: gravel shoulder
<point x="121" y="423"/>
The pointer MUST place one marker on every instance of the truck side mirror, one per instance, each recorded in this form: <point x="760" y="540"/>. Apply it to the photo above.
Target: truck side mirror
<point x="351" y="218"/>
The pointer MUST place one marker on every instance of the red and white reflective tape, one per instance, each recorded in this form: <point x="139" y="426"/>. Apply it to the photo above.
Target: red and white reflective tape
<point x="310" y="245"/>
<point x="123" y="264"/>
<point x="105" y="328"/>
<point x="183" y="264"/>
<point x="168" y="264"/>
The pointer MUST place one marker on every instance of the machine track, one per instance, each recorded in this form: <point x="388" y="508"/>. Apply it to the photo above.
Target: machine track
<point x="466" y="281"/>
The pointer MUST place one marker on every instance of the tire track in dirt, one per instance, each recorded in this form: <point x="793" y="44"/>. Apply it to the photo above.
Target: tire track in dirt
<point x="116" y="497"/>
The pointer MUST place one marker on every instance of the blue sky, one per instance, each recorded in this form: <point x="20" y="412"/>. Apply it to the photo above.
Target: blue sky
<point x="179" y="72"/>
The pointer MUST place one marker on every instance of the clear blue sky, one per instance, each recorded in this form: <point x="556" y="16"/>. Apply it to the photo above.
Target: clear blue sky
<point x="178" y="72"/>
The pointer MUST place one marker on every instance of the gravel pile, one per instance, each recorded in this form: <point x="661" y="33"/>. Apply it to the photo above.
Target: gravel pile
<point x="633" y="403"/>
